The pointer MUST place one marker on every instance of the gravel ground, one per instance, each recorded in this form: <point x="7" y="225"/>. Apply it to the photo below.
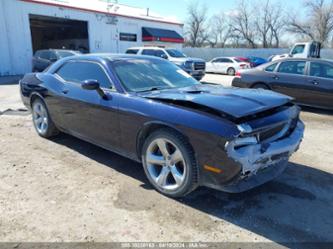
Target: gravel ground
<point x="69" y="190"/>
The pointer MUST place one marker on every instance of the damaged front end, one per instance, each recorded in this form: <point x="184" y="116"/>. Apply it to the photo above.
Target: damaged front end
<point x="263" y="148"/>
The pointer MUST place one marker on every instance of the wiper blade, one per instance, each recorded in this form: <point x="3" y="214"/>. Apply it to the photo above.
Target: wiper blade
<point x="152" y="89"/>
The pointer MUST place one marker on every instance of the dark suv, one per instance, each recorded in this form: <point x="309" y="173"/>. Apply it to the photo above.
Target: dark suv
<point x="43" y="58"/>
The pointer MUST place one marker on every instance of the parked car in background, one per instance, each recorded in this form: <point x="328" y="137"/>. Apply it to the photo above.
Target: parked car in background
<point x="186" y="134"/>
<point x="244" y="59"/>
<point x="44" y="58"/>
<point x="193" y="66"/>
<point x="256" y="61"/>
<point x="309" y="81"/>
<point x="226" y="65"/>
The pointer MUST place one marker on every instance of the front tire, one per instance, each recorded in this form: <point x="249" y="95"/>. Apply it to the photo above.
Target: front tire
<point x="42" y="121"/>
<point x="169" y="163"/>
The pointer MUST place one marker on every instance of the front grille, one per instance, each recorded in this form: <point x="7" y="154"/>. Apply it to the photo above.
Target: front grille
<point x="199" y="65"/>
<point x="267" y="134"/>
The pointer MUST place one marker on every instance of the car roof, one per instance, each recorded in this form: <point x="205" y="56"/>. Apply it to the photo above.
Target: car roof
<point x="111" y="57"/>
<point x="304" y="59"/>
<point x="225" y="57"/>
<point x="58" y="50"/>
<point x="101" y="58"/>
<point x="150" y="47"/>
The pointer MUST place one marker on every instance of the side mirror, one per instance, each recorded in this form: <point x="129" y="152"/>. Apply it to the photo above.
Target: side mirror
<point x="90" y="85"/>
<point x="164" y="56"/>
<point x="95" y="86"/>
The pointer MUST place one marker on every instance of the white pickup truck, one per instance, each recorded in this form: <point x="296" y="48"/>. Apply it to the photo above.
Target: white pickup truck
<point x="301" y="50"/>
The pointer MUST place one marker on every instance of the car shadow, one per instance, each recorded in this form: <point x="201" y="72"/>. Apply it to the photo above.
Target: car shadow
<point x="296" y="207"/>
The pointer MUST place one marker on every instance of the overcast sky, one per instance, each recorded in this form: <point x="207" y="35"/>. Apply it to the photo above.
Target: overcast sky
<point x="177" y="8"/>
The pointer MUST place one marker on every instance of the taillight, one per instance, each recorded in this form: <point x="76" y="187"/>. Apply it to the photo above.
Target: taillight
<point x="238" y="74"/>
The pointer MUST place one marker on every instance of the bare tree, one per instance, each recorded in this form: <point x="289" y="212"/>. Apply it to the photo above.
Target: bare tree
<point x="243" y="23"/>
<point x="277" y="25"/>
<point x="196" y="25"/>
<point x="269" y="23"/>
<point x="220" y="30"/>
<point x="319" y="24"/>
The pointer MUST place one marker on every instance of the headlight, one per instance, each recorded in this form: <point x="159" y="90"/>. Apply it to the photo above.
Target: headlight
<point x="188" y="64"/>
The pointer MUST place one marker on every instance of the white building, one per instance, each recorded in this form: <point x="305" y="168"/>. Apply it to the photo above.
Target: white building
<point x="89" y="25"/>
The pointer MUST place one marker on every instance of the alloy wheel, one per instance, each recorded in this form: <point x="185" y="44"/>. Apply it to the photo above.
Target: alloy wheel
<point x="165" y="164"/>
<point x="40" y="117"/>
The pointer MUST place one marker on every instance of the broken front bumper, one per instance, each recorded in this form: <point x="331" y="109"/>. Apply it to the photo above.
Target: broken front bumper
<point x="261" y="162"/>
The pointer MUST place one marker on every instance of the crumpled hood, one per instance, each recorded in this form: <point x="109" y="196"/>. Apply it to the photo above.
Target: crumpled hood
<point x="234" y="102"/>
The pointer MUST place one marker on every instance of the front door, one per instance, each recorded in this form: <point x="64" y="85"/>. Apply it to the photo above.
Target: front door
<point x="85" y="113"/>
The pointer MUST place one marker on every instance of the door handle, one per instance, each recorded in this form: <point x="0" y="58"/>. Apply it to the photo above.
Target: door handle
<point x="275" y="77"/>
<point x="65" y="91"/>
<point x="314" y="82"/>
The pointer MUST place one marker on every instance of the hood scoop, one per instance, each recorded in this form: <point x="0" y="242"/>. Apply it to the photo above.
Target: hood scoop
<point x="196" y="91"/>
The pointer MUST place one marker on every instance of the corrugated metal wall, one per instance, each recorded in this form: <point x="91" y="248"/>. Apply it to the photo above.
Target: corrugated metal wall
<point x="15" y="39"/>
<point x="210" y="53"/>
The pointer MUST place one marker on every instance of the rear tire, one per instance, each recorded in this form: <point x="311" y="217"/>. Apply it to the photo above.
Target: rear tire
<point x="169" y="163"/>
<point x="231" y="71"/>
<point x="42" y="121"/>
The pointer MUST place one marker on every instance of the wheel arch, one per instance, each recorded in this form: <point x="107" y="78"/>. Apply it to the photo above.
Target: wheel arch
<point x="149" y="128"/>
<point x="34" y="96"/>
<point x="260" y="83"/>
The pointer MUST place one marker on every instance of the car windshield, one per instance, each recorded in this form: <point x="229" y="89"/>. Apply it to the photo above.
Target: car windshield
<point x="138" y="75"/>
<point x="175" y="53"/>
<point x="63" y="54"/>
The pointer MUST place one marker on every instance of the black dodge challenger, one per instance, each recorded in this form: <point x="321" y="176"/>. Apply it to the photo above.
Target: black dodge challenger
<point x="186" y="134"/>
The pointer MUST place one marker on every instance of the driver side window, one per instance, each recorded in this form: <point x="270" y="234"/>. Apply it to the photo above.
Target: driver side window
<point x="79" y="71"/>
<point x="292" y="67"/>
